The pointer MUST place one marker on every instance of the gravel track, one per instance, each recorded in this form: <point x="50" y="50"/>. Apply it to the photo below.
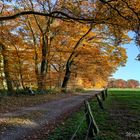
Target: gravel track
<point x="50" y="113"/>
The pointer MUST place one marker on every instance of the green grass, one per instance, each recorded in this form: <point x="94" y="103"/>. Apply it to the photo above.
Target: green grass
<point x="127" y="102"/>
<point x="121" y="115"/>
<point x="124" y="89"/>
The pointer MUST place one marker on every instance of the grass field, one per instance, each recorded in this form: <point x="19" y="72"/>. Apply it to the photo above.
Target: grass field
<point x="124" y="89"/>
<point x="119" y="121"/>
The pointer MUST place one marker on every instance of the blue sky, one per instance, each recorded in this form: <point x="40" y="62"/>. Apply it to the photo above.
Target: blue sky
<point x="132" y="68"/>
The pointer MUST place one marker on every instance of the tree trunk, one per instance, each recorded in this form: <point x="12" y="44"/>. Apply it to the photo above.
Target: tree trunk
<point x="66" y="77"/>
<point x="7" y="76"/>
<point x="71" y="60"/>
<point x="6" y="70"/>
<point x="19" y="68"/>
<point x="44" y="63"/>
<point x="42" y="82"/>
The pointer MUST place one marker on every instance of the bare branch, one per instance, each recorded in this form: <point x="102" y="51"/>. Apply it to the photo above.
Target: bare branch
<point x="55" y="14"/>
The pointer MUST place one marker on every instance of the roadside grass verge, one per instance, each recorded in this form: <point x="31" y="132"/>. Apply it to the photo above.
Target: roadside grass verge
<point x="119" y="121"/>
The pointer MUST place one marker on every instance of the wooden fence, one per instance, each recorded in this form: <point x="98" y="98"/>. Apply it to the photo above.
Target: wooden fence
<point x="92" y="127"/>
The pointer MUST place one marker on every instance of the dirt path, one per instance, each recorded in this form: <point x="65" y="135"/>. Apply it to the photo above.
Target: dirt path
<point x="17" y="125"/>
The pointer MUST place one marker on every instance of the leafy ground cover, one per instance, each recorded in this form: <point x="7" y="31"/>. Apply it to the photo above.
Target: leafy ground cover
<point x="119" y="121"/>
<point x="12" y="103"/>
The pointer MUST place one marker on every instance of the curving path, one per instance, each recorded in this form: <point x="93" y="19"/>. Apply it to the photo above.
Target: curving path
<point x="21" y="124"/>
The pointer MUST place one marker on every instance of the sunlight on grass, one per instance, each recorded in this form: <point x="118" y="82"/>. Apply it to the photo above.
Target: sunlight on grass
<point x="124" y="89"/>
<point x="121" y="115"/>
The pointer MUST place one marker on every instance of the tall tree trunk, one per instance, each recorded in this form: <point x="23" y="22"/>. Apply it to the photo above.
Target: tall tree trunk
<point x="7" y="77"/>
<point x="44" y="63"/>
<point x="6" y="70"/>
<point x="59" y="83"/>
<point x="45" y="45"/>
<point x="19" y="68"/>
<point x="2" y="81"/>
<point x="66" y="77"/>
<point x="71" y="60"/>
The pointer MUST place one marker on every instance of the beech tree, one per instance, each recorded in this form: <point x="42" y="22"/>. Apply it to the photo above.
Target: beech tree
<point x="88" y="52"/>
<point x="112" y="19"/>
<point x="120" y="83"/>
<point x="131" y="83"/>
<point x="5" y="68"/>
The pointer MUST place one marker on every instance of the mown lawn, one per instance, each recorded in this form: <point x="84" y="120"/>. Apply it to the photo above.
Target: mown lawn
<point x="119" y="121"/>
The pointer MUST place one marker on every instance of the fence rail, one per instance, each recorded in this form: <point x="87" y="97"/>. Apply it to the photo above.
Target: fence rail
<point x="92" y="127"/>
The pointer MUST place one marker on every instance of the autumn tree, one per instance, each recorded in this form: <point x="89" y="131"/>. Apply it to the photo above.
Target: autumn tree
<point x="111" y="18"/>
<point x="131" y="83"/>
<point x="37" y="32"/>
<point x="120" y="83"/>
<point x="97" y="40"/>
<point x="91" y="51"/>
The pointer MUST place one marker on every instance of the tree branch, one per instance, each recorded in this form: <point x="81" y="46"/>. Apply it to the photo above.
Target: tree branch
<point x="55" y="14"/>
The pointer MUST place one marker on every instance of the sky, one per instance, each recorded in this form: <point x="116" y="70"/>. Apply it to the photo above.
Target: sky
<point x="132" y="68"/>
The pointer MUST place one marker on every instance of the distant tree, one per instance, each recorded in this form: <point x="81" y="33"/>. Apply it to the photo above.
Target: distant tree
<point x="111" y="83"/>
<point x="132" y="83"/>
<point x="120" y="83"/>
<point x="117" y="83"/>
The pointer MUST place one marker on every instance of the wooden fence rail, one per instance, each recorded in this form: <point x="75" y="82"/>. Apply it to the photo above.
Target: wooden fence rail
<point x="93" y="129"/>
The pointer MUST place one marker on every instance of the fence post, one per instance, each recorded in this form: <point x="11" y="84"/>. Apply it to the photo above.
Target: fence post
<point x="92" y="126"/>
<point x="103" y="95"/>
<point x="99" y="101"/>
<point x="106" y="92"/>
